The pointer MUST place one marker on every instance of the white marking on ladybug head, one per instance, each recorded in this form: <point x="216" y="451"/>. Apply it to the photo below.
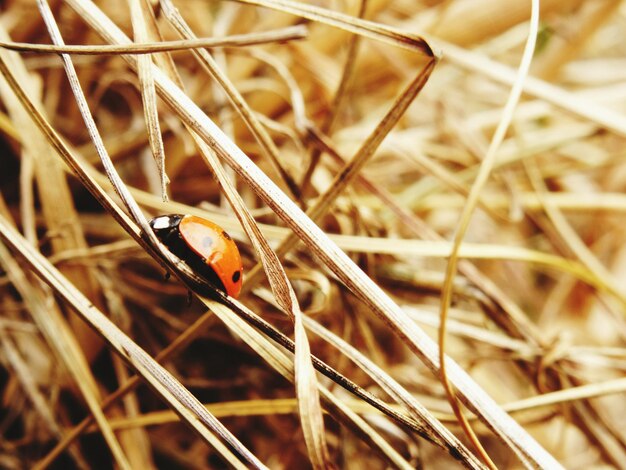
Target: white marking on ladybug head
<point x="161" y="222"/>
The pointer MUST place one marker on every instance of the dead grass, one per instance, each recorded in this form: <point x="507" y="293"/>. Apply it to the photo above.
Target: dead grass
<point x="401" y="185"/>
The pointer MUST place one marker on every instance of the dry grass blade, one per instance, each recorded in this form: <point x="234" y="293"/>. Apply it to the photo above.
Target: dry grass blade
<point x="290" y="405"/>
<point x="570" y="203"/>
<point x="461" y="230"/>
<point x="148" y="93"/>
<point x="498" y="340"/>
<point x="225" y="410"/>
<point x="581" y="392"/>
<point x="348" y="23"/>
<point x="280" y="406"/>
<point x="551" y="399"/>
<point x="220" y="410"/>
<point x="236" y="40"/>
<point x="371" y="294"/>
<point x="441" y="435"/>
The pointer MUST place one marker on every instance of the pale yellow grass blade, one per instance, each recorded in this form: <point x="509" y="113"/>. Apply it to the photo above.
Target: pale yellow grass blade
<point x="148" y="92"/>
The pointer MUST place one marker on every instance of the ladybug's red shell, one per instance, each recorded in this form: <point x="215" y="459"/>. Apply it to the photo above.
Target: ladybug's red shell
<point x="218" y="250"/>
<point x="202" y="244"/>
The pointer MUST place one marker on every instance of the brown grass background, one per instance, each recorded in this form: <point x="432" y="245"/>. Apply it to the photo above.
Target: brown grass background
<point x="537" y="317"/>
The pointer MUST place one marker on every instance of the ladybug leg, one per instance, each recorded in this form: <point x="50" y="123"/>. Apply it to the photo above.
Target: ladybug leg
<point x="167" y="275"/>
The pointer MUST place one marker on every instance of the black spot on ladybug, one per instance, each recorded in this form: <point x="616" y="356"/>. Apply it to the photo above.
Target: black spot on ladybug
<point x="236" y="276"/>
<point x="207" y="242"/>
<point x="225" y="235"/>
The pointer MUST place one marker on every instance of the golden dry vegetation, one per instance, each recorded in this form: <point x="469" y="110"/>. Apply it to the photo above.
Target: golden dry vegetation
<point x="402" y="178"/>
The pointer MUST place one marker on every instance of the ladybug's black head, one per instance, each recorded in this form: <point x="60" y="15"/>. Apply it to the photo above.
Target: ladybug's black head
<point x="164" y="226"/>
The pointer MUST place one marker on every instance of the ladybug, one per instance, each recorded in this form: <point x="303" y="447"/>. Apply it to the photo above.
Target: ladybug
<point x="204" y="246"/>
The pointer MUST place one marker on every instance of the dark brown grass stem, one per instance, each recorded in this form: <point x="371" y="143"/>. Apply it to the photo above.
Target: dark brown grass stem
<point x="237" y="40"/>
